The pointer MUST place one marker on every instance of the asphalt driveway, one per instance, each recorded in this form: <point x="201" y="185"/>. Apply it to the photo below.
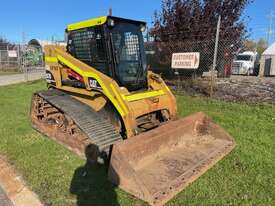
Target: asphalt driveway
<point x="17" y="78"/>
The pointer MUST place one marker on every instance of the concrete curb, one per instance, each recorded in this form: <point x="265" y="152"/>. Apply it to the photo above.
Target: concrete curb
<point x="4" y="200"/>
<point x="15" y="188"/>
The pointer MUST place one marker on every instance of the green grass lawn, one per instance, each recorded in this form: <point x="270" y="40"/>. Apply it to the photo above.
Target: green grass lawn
<point x="245" y="177"/>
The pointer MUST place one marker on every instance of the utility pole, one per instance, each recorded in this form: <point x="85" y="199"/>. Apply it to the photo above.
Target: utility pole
<point x="110" y="11"/>
<point x="53" y="39"/>
<point x="269" y="30"/>
<point x="215" y="56"/>
<point x="147" y="34"/>
<point x="23" y="38"/>
<point x="23" y="48"/>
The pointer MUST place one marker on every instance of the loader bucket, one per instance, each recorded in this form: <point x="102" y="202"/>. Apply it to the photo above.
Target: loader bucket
<point x="155" y="165"/>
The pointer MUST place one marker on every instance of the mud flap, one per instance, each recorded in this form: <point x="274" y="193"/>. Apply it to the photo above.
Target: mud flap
<point x="156" y="165"/>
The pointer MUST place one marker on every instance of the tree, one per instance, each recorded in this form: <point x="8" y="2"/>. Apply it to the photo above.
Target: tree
<point x="197" y="19"/>
<point x="5" y="43"/>
<point x="190" y="26"/>
<point x="250" y="45"/>
<point x="260" y="46"/>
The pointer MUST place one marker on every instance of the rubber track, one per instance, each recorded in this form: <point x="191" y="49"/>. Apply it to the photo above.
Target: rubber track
<point x="100" y="131"/>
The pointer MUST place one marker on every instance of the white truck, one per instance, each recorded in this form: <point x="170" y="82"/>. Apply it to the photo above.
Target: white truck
<point x="246" y="63"/>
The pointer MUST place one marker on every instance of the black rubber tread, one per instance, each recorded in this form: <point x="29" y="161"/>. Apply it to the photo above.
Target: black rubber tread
<point x="100" y="131"/>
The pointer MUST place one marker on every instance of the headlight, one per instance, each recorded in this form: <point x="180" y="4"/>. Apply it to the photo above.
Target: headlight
<point x="142" y="28"/>
<point x="111" y="22"/>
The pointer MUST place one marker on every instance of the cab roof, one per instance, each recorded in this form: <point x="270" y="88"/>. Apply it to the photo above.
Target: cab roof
<point x="99" y="21"/>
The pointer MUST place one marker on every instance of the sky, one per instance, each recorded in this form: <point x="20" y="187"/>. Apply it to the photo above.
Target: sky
<point x="44" y="19"/>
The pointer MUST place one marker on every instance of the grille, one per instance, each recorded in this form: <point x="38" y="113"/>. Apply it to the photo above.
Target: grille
<point x="128" y="44"/>
<point x="236" y="67"/>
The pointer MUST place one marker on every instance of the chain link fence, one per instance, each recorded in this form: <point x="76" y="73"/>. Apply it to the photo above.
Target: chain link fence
<point x="20" y="63"/>
<point x="28" y="59"/>
<point x="20" y="58"/>
<point x="10" y="60"/>
<point x="159" y="59"/>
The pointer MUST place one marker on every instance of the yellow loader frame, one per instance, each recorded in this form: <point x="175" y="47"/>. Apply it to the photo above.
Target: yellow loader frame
<point x="128" y="105"/>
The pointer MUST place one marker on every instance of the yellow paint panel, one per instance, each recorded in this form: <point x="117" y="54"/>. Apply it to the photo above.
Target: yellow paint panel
<point x="144" y="95"/>
<point x="69" y="64"/>
<point x="87" y="23"/>
<point x="51" y="59"/>
<point x="119" y="98"/>
<point x="95" y="76"/>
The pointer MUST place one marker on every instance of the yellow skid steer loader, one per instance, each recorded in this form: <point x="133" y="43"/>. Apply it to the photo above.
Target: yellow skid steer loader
<point x="103" y="104"/>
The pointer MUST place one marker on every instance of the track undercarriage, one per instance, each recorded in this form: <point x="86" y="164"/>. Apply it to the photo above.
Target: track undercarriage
<point x="53" y="123"/>
<point x="68" y="129"/>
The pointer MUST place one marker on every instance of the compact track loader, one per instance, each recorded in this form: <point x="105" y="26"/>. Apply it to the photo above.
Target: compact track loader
<point x="103" y="104"/>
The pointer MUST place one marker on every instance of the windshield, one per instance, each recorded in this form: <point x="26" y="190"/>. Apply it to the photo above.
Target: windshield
<point x="129" y="56"/>
<point x="243" y="58"/>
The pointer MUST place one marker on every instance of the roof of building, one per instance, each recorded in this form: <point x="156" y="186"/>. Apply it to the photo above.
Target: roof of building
<point x="270" y="50"/>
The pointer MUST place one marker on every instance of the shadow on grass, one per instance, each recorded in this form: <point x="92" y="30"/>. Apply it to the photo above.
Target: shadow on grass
<point x="91" y="186"/>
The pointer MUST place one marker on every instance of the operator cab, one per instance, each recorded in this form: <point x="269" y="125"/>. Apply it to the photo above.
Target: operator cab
<point x="113" y="46"/>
